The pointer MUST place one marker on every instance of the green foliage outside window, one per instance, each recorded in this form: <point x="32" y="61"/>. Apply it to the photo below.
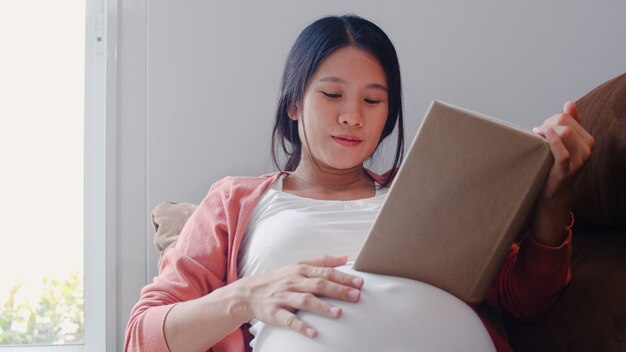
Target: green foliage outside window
<point x="56" y="318"/>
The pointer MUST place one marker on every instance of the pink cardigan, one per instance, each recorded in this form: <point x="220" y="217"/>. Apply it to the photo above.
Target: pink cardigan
<point x="205" y="258"/>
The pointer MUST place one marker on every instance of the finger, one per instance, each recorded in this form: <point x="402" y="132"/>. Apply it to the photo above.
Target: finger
<point x="560" y="153"/>
<point x="327" y="261"/>
<point x="564" y="119"/>
<point x="329" y="274"/>
<point x="290" y="320"/>
<point x="570" y="108"/>
<point x="336" y="276"/>
<point x="570" y="117"/>
<point x="539" y="131"/>
<point x="323" y="287"/>
<point x="578" y="149"/>
<point x="311" y="303"/>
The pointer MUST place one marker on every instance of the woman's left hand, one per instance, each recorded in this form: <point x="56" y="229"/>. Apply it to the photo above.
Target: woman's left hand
<point x="571" y="146"/>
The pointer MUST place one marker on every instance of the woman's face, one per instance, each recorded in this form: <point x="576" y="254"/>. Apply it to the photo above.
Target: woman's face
<point x="344" y="109"/>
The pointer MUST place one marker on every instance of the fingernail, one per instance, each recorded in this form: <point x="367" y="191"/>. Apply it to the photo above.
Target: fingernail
<point x="354" y="293"/>
<point x="535" y="129"/>
<point x="334" y="311"/>
<point x="310" y="332"/>
<point x="357" y="281"/>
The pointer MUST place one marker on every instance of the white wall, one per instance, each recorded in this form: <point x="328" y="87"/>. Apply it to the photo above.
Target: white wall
<point x="214" y="68"/>
<point x="199" y="82"/>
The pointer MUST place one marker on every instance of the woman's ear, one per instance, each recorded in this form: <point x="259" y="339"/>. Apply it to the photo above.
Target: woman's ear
<point x="293" y="113"/>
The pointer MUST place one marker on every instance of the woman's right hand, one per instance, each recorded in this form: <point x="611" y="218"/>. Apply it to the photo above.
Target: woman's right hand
<point x="273" y="298"/>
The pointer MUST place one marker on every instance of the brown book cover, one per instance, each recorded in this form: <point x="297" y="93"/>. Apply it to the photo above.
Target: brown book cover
<point x="459" y="199"/>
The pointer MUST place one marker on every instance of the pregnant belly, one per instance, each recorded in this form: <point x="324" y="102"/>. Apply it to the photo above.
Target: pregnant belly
<point x="393" y="314"/>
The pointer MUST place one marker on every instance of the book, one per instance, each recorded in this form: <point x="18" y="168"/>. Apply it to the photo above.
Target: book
<point x="458" y="201"/>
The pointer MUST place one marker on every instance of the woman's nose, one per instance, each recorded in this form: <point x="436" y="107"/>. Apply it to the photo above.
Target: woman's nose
<point x="351" y="116"/>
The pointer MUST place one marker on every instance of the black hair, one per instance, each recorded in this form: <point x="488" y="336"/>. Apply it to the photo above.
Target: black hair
<point x="316" y="42"/>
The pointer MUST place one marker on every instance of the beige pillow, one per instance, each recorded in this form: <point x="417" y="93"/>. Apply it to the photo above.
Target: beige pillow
<point x="168" y="220"/>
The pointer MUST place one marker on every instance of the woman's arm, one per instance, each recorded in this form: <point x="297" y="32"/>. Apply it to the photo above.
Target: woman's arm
<point x="273" y="298"/>
<point x="194" y="268"/>
<point x="571" y="146"/>
<point x="189" y="306"/>
<point x="199" y="324"/>
<point x="531" y="278"/>
<point x="165" y="319"/>
<point x="534" y="273"/>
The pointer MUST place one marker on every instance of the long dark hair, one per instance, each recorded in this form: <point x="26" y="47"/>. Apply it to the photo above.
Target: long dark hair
<point x="312" y="47"/>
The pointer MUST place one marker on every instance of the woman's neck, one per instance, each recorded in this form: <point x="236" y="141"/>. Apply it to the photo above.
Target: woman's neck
<point x="320" y="182"/>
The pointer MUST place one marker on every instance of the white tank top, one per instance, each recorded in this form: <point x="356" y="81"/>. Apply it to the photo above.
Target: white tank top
<point x="285" y="229"/>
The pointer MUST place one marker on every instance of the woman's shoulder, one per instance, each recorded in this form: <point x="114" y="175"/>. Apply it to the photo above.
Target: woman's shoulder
<point x="234" y="181"/>
<point x="243" y="185"/>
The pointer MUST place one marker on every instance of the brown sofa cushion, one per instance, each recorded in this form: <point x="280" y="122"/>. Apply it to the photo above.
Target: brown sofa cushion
<point x="600" y="190"/>
<point x="591" y="313"/>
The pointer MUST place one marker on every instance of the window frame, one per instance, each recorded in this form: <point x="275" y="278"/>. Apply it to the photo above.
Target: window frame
<point x="100" y="114"/>
<point x="100" y="176"/>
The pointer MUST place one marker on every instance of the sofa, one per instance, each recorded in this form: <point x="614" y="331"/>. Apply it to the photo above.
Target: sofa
<point x="591" y="313"/>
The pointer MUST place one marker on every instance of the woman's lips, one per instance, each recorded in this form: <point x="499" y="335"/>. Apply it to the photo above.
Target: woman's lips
<point x="346" y="140"/>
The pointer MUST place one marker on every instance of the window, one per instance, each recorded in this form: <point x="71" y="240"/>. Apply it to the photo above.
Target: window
<point x="58" y="281"/>
<point x="41" y="146"/>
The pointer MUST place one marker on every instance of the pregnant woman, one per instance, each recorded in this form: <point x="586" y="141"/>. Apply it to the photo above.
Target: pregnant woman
<point x="266" y="252"/>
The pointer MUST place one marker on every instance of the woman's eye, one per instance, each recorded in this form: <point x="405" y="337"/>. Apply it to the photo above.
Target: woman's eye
<point x="332" y="95"/>
<point x="372" y="101"/>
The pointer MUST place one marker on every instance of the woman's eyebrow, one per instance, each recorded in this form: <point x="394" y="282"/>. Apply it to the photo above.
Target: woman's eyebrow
<point x="342" y="81"/>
